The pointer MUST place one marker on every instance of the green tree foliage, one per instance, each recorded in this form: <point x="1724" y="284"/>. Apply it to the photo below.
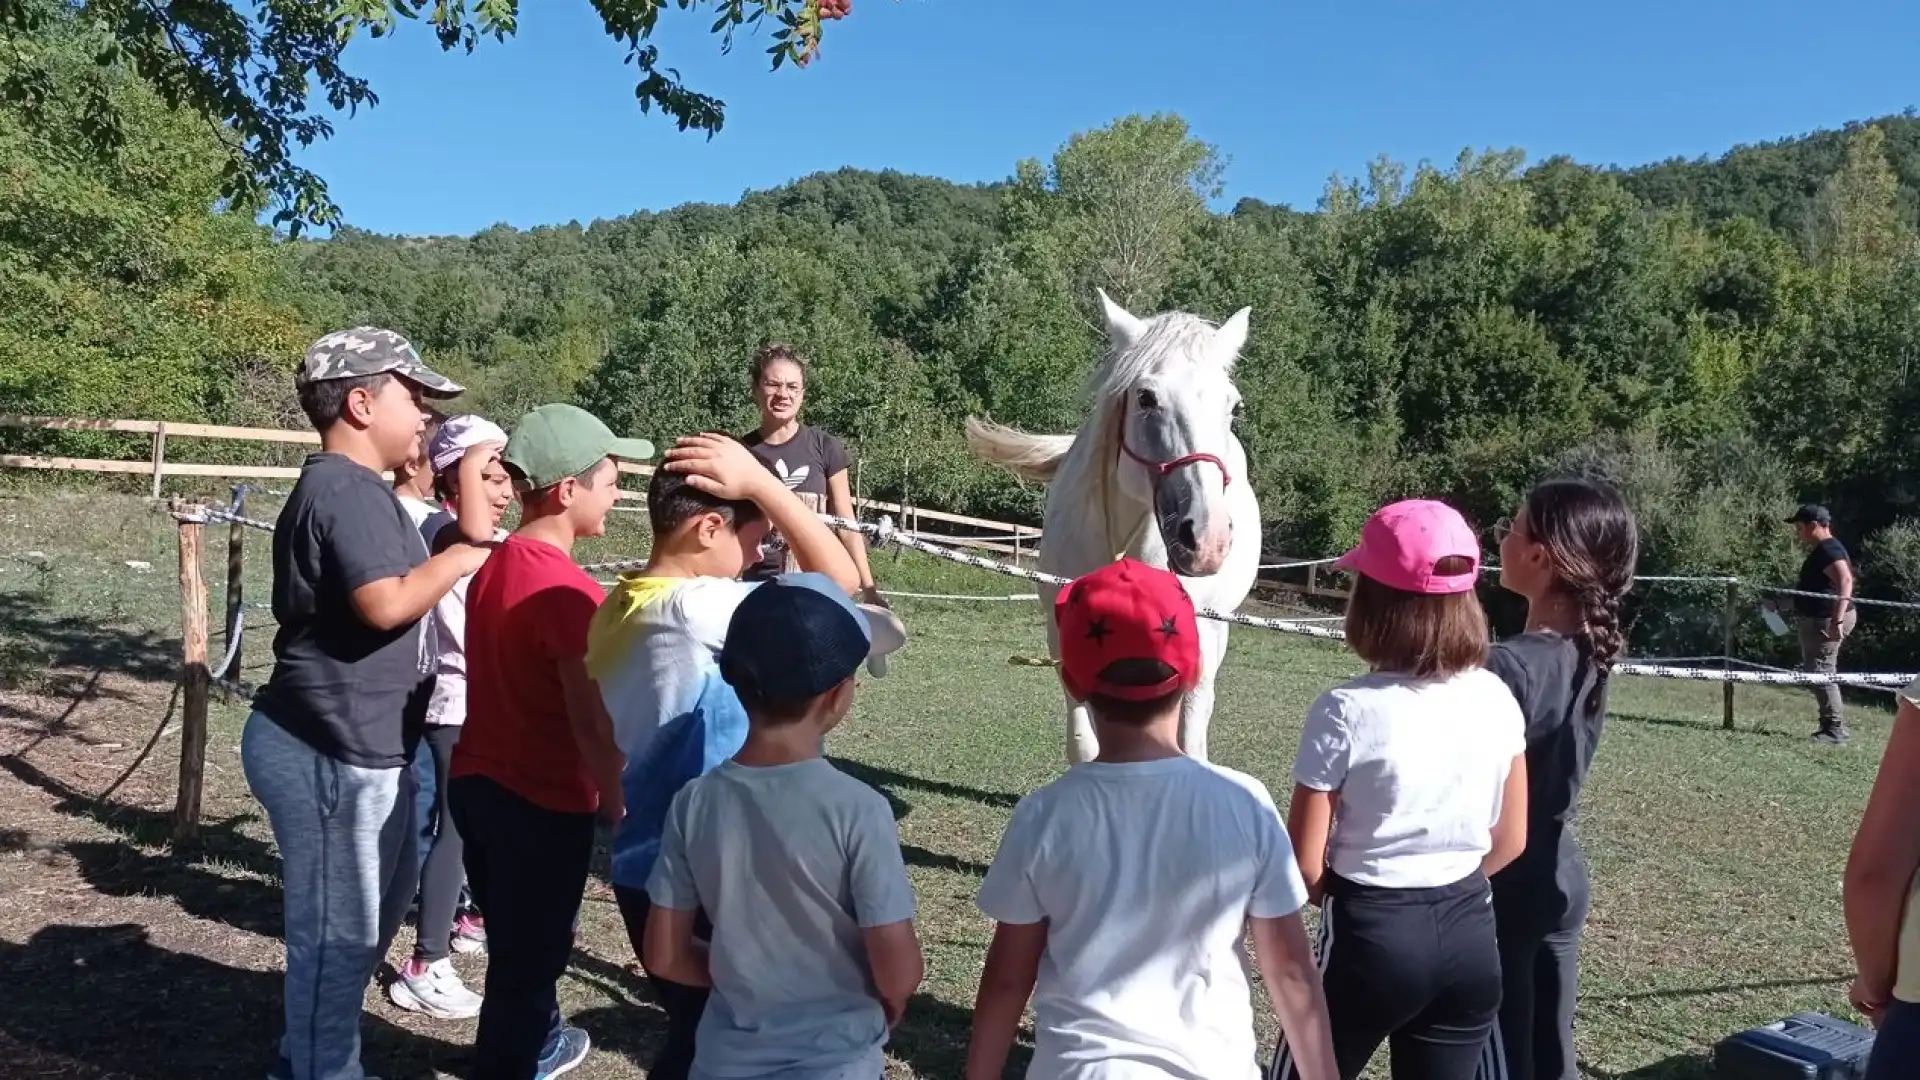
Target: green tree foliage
<point x="121" y="293"/>
<point x="1722" y="339"/>
<point x="252" y="71"/>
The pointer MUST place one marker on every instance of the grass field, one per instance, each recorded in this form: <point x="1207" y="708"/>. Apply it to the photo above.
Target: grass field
<point x="1717" y="855"/>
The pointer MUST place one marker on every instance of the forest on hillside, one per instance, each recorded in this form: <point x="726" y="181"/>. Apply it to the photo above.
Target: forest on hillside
<point x="1723" y="338"/>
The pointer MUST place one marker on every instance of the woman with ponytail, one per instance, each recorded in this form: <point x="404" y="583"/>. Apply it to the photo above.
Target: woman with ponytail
<point x="1570" y="552"/>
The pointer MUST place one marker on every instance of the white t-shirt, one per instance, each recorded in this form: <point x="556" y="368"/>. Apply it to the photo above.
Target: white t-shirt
<point x="1420" y="766"/>
<point x="1146" y="873"/>
<point x="447" y="636"/>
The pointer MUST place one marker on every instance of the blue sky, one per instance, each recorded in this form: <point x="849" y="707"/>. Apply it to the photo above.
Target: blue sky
<point x="543" y="128"/>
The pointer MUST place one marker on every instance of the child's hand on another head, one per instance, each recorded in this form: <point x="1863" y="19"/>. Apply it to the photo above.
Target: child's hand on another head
<point x="482" y="454"/>
<point x="719" y="465"/>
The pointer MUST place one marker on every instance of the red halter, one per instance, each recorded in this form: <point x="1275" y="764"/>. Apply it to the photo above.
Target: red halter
<point x="1160" y="469"/>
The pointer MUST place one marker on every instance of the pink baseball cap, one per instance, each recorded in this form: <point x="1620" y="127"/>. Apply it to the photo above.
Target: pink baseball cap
<point x="1402" y="543"/>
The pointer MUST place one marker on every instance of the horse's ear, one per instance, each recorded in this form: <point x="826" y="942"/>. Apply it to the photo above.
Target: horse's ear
<point x="1231" y="337"/>
<point x="1122" y="326"/>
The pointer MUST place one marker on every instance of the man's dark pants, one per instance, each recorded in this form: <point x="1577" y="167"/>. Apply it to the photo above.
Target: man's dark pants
<point x="527" y="867"/>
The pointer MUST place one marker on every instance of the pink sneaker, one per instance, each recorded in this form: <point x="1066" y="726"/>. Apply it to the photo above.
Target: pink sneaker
<point x="469" y="934"/>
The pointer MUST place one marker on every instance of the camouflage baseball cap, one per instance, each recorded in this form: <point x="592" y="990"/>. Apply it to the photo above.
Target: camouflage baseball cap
<point x="369" y="350"/>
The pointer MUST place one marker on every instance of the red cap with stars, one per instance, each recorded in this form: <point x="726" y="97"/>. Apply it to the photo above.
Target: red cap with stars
<point x="1126" y="611"/>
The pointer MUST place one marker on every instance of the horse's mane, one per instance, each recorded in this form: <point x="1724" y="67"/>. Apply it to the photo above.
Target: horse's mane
<point x="1169" y="335"/>
<point x="1173" y="337"/>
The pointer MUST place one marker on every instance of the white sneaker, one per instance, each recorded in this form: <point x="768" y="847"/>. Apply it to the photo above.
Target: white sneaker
<point x="437" y="992"/>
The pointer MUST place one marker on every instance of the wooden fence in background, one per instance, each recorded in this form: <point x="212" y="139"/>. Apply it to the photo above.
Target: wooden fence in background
<point x="1007" y="538"/>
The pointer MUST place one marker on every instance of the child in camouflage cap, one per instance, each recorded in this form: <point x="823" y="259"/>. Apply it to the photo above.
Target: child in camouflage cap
<point x="327" y="748"/>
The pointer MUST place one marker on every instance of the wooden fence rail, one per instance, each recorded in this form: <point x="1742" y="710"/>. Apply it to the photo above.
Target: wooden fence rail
<point x="1017" y="540"/>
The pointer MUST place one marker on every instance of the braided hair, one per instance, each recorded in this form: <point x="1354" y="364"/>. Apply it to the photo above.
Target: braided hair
<point x="1593" y="544"/>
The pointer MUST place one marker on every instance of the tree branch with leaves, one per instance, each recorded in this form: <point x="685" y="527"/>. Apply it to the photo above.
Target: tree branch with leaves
<point x="250" y="71"/>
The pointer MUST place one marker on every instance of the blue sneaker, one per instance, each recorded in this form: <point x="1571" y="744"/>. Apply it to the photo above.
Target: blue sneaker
<point x="564" y="1052"/>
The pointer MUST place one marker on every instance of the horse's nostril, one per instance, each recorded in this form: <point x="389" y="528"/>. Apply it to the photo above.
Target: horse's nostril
<point x="1187" y="538"/>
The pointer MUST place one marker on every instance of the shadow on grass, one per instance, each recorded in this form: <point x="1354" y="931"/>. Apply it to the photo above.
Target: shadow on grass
<point x="933" y="860"/>
<point x="104" y="1001"/>
<point x="34" y="639"/>
<point x="200" y="878"/>
<point x="886" y="779"/>
<point x="1703" y="727"/>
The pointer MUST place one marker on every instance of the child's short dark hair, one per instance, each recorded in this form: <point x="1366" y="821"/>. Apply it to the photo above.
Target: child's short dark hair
<point x="323" y="399"/>
<point x="1418" y="634"/>
<point x="1143" y="671"/>
<point x="672" y="502"/>
<point x="767" y="713"/>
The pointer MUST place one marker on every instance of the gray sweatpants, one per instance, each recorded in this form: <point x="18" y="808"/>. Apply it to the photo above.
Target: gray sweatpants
<point x="347" y="848"/>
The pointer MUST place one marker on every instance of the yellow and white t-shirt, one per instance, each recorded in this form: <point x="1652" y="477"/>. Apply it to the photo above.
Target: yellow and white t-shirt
<point x="654" y="650"/>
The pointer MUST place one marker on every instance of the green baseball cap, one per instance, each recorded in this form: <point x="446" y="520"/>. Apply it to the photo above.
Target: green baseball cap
<point x="556" y="441"/>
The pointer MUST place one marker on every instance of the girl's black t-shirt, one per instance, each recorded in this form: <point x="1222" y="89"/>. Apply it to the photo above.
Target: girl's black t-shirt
<point x="1551" y="676"/>
<point x="803" y="463"/>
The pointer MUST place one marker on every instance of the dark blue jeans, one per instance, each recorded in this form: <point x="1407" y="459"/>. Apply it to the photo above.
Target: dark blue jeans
<point x="528" y="868"/>
<point x="1896" y="1049"/>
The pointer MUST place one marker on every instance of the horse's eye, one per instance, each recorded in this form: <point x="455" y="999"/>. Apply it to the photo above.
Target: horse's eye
<point x="1149" y="399"/>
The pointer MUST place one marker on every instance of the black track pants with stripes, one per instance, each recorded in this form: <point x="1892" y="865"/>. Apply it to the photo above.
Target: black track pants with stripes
<point x="1417" y="969"/>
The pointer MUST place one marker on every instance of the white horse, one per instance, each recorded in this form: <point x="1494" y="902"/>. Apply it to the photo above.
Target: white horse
<point x="1155" y="473"/>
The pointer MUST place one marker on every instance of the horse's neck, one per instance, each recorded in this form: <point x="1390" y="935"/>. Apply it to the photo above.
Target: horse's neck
<point x="1085" y="502"/>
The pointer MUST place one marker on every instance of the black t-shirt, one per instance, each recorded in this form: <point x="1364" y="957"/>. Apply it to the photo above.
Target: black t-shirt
<point x="803" y="463"/>
<point x="1813" y="578"/>
<point x="1551" y="677"/>
<point x="353" y="693"/>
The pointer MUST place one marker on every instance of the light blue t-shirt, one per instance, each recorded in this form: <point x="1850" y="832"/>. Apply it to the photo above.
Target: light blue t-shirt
<point x="791" y="863"/>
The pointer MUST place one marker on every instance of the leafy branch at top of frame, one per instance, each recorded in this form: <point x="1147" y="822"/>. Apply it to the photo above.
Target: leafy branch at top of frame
<point x="251" y="71"/>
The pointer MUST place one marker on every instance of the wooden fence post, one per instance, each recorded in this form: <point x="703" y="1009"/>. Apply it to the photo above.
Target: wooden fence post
<point x="236" y="565"/>
<point x="159" y="456"/>
<point x="193" y="676"/>
<point x="1726" y="650"/>
<point x="1313" y="580"/>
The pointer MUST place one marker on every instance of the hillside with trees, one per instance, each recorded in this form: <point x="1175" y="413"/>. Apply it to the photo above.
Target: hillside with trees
<point x="1722" y="337"/>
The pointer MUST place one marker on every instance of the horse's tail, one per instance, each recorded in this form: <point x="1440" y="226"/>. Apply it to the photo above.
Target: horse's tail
<point x="1029" y="457"/>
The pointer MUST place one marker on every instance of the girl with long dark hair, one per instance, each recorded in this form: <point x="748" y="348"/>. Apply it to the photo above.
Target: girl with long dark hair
<point x="1570" y="551"/>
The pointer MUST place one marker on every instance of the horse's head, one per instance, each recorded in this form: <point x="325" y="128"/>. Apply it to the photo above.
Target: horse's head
<point x="1168" y="391"/>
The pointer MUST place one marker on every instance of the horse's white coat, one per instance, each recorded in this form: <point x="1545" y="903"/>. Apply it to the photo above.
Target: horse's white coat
<point x="1100" y="501"/>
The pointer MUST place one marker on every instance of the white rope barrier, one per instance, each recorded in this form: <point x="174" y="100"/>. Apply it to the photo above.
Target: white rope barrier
<point x="955" y="596"/>
<point x="884" y="533"/>
<point x="1864" y="601"/>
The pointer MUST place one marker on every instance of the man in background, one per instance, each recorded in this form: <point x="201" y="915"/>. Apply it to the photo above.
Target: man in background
<point x="1825" y="619"/>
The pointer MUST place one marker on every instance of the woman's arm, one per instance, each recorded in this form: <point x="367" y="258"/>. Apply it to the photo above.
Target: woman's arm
<point x="840" y="504"/>
<point x="1510" y="830"/>
<point x="1309" y="820"/>
<point x="1013" y="964"/>
<point x="1881" y="866"/>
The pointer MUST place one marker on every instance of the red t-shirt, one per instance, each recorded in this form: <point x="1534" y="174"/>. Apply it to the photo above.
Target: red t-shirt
<point x="528" y="610"/>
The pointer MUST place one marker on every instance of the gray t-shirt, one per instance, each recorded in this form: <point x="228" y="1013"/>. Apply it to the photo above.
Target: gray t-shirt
<point x="790" y="863"/>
